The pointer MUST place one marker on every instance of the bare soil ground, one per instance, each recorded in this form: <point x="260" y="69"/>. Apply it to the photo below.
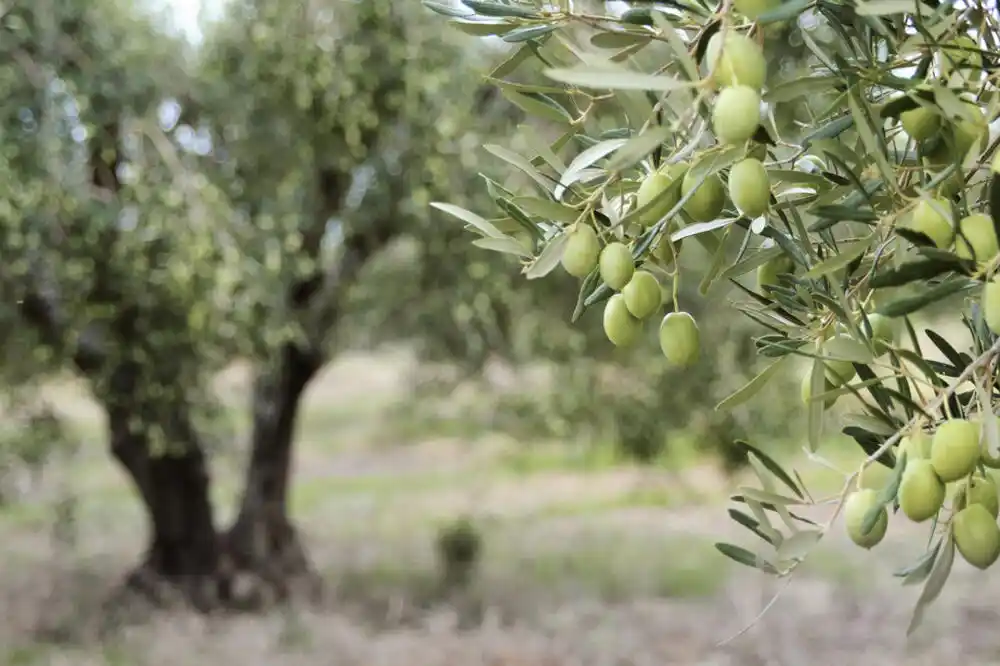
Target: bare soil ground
<point x="606" y="567"/>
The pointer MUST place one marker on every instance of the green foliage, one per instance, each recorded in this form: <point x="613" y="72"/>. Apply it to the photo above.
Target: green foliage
<point x="869" y="221"/>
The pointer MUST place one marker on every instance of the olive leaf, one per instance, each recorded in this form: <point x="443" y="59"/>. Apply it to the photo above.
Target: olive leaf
<point x="751" y="388"/>
<point x="885" y="496"/>
<point x="935" y="582"/>
<point x="470" y="218"/>
<point x="745" y="557"/>
<point x="919" y="571"/>
<point x="548" y="259"/>
<point x="750" y="523"/>
<point x="798" y="545"/>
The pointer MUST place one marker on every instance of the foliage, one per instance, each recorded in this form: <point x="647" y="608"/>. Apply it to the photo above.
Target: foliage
<point x="876" y="203"/>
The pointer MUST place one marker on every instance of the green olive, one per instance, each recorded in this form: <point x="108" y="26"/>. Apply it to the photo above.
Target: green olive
<point x="616" y="265"/>
<point x="990" y="304"/>
<point x="933" y="219"/>
<point x="581" y="251"/>
<point x="680" y="339"/>
<point x="736" y="114"/>
<point x="955" y="449"/>
<point x="750" y="187"/>
<point x="977" y="238"/>
<point x="920" y="123"/>
<point x="708" y="199"/>
<point x="643" y="294"/>
<point x="741" y="61"/>
<point x="977" y="536"/>
<point x="856" y="507"/>
<point x="620" y="327"/>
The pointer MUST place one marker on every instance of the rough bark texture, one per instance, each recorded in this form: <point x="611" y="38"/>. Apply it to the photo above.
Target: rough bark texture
<point x="183" y="551"/>
<point x="263" y="548"/>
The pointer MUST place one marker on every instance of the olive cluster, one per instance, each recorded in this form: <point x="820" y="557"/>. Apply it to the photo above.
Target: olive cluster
<point x="737" y="66"/>
<point x="638" y="295"/>
<point x="952" y="455"/>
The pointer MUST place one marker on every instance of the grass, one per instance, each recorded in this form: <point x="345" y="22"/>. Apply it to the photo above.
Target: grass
<point x="560" y="521"/>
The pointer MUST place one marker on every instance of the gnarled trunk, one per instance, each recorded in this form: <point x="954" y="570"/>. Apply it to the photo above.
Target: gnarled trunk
<point x="263" y="547"/>
<point x="183" y="551"/>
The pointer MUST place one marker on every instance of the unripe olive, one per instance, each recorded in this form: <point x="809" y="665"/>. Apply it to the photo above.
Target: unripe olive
<point x="969" y="131"/>
<point x="917" y="446"/>
<point x="920" y="123"/>
<point x="934" y="221"/>
<point x="840" y="371"/>
<point x="921" y="492"/>
<point x="736" y="114"/>
<point x="750" y="187"/>
<point x="652" y="186"/>
<point x="707" y="201"/>
<point x="955" y="449"/>
<point x="855" y="509"/>
<point x="883" y="332"/>
<point x="978" y="239"/>
<point x="977" y="536"/>
<point x="620" y="327"/>
<point x="581" y="251"/>
<point x="805" y="391"/>
<point x="680" y="339"/>
<point x="616" y="265"/>
<point x="768" y="272"/>
<point x="990" y="304"/>
<point x="979" y="490"/>
<point x="754" y="8"/>
<point x="643" y="295"/>
<point x="742" y="60"/>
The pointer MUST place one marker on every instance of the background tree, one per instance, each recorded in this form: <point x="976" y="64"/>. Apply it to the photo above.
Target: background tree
<point x="263" y="196"/>
<point x="839" y="150"/>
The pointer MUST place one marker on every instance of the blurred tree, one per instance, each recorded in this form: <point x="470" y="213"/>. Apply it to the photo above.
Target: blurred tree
<point x="168" y="210"/>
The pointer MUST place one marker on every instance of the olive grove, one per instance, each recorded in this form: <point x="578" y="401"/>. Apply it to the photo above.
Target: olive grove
<point x="825" y="166"/>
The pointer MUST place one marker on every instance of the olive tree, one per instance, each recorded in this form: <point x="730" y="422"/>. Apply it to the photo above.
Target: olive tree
<point x="832" y="159"/>
<point x="167" y="210"/>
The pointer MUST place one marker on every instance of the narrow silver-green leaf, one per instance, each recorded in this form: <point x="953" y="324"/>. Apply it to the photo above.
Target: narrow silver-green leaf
<point x="470" y="218"/>
<point x="935" y="582"/>
<point x="638" y="147"/>
<point x="844" y="348"/>
<point x="848" y="253"/>
<point x="615" y="79"/>
<point x="889" y="7"/>
<point x="548" y="259"/>
<point x="549" y="210"/>
<point x="752" y="387"/>
<point x="503" y="245"/>
<point x="798" y="545"/>
<point x="519" y="162"/>
<point x="817" y="383"/>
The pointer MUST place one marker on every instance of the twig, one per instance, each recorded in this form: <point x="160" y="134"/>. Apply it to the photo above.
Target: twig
<point x="757" y="618"/>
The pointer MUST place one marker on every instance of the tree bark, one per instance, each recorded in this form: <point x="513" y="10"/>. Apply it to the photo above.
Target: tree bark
<point x="183" y="552"/>
<point x="263" y="546"/>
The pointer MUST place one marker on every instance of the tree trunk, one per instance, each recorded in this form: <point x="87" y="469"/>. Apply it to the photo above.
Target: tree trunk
<point x="264" y="551"/>
<point x="183" y="552"/>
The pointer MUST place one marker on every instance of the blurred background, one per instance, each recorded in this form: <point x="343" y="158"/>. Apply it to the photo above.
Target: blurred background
<point x="200" y="197"/>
